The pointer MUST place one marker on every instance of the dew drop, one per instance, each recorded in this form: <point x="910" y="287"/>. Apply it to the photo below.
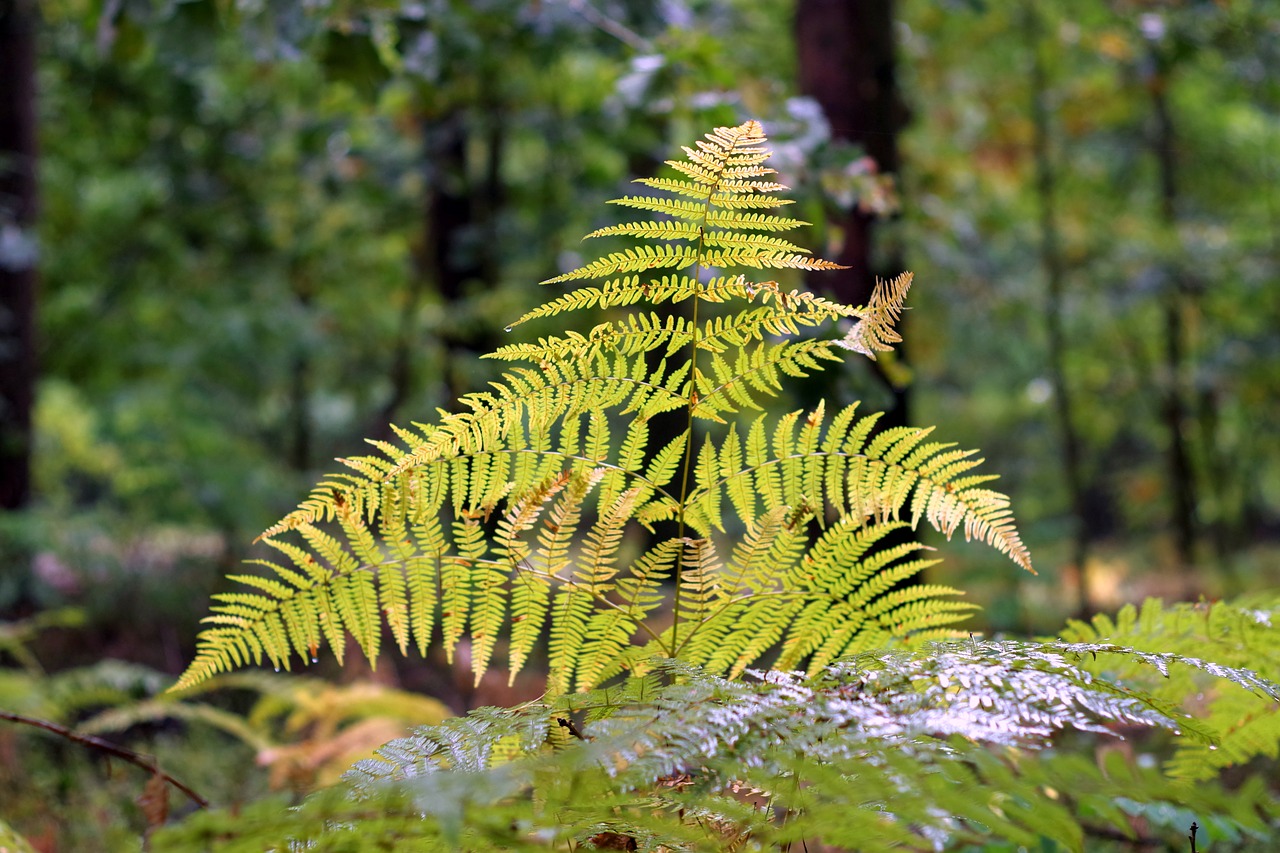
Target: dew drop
<point x="315" y="659"/>
<point x="508" y="328"/>
<point x="277" y="669"/>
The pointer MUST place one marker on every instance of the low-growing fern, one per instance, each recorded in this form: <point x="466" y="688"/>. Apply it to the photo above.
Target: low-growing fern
<point x="1230" y="634"/>
<point x="512" y="517"/>
<point x="923" y="748"/>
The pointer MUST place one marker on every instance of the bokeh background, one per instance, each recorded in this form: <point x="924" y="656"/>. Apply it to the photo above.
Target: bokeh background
<point x="237" y="238"/>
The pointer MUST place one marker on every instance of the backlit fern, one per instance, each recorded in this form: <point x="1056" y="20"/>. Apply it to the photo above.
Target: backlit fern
<point x="515" y="516"/>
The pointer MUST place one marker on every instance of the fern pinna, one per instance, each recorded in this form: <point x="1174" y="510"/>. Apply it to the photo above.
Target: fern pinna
<point x="511" y="518"/>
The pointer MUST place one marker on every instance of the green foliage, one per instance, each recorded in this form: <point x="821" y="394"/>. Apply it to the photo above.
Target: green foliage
<point x="208" y="211"/>
<point x="927" y="748"/>
<point x="513" y="514"/>
<point x="516" y="517"/>
<point x="976" y="226"/>
<point x="1231" y="634"/>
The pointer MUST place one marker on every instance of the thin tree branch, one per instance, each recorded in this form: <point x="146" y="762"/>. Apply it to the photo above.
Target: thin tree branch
<point x="92" y="742"/>
<point x="1051" y="261"/>
<point x="618" y="30"/>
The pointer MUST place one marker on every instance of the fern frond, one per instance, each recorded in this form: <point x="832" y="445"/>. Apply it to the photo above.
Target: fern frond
<point x="633" y="260"/>
<point x="732" y="220"/>
<point x="618" y="292"/>
<point x="689" y="189"/>
<point x="1245" y="717"/>
<point x="892" y="745"/>
<point x="754" y="375"/>
<point x="697" y="595"/>
<point x="862" y="479"/>
<point x="663" y="230"/>
<point x="763" y="259"/>
<point x="637" y="333"/>
<point x="505" y="518"/>
<point x="671" y="207"/>
<point x="736" y="201"/>
<point x="875" y="331"/>
<point x="752" y="242"/>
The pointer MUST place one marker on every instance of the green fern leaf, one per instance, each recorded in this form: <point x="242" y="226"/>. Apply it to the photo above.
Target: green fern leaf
<point x="509" y="517"/>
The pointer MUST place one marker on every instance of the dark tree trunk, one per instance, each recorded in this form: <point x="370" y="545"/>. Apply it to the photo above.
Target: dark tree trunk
<point x="1174" y="408"/>
<point x="459" y="249"/>
<point x="17" y="237"/>
<point x="301" y="428"/>
<point x="846" y="63"/>
<point x="1055" y="281"/>
<point x="455" y="252"/>
<point x="444" y="260"/>
<point x="452" y="259"/>
<point x="845" y="51"/>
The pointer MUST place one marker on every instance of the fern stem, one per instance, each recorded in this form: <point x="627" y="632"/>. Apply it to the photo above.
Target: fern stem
<point x="691" y="403"/>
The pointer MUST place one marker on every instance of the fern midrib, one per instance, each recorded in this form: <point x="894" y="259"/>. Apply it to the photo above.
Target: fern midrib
<point x="691" y="404"/>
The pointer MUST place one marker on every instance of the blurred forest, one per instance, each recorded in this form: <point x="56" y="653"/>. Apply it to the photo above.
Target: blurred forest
<point x="236" y="239"/>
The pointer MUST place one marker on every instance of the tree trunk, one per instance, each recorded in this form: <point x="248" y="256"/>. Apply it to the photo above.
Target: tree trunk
<point x="444" y="260"/>
<point x="1174" y="408"/>
<point x="17" y="241"/>
<point x="846" y="63"/>
<point x="301" y="427"/>
<point x="1055" y="275"/>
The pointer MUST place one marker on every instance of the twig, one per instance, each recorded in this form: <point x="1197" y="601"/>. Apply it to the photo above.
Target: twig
<point x="568" y="724"/>
<point x="92" y="742"/>
<point x="1192" y="836"/>
<point x="622" y="33"/>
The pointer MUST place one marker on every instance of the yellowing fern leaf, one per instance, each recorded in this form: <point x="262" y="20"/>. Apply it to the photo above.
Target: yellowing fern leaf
<point x="514" y="520"/>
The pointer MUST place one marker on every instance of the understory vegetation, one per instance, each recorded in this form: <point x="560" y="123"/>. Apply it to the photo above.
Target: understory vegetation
<point x="664" y="554"/>
<point x="727" y="598"/>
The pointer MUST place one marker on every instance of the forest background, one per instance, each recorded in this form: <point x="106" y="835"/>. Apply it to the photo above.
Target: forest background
<point x="247" y="236"/>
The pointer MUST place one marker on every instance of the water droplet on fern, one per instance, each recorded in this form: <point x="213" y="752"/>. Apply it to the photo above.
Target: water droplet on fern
<point x="508" y="328"/>
<point x="277" y="668"/>
<point x="315" y="659"/>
